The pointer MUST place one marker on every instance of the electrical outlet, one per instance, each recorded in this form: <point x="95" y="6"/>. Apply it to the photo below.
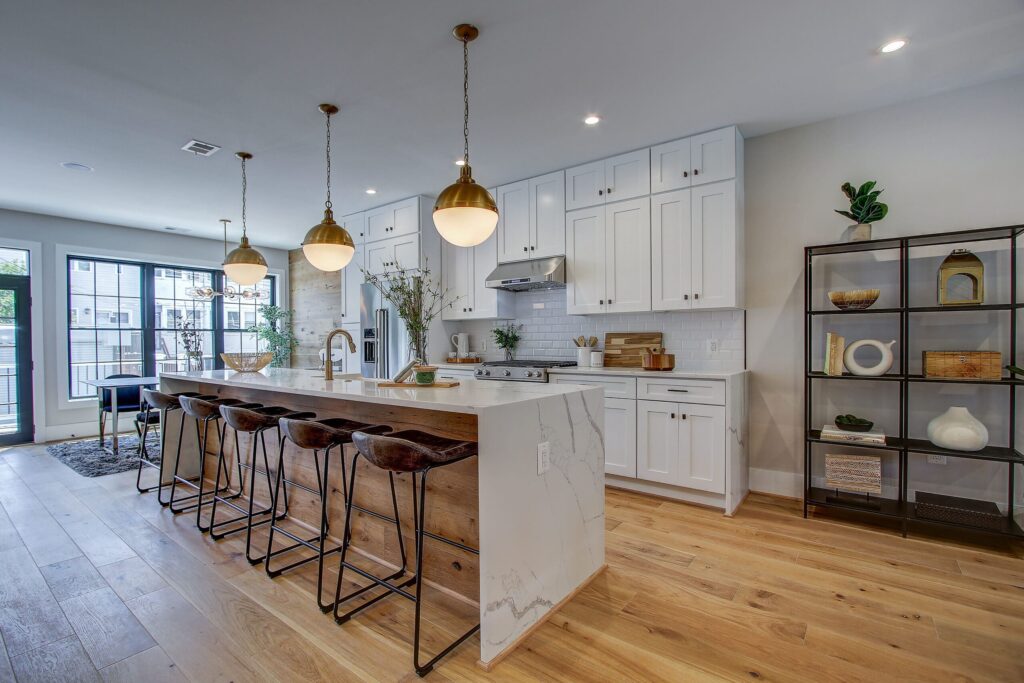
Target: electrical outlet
<point x="935" y="459"/>
<point x="538" y="305"/>
<point x="543" y="457"/>
<point x="713" y="346"/>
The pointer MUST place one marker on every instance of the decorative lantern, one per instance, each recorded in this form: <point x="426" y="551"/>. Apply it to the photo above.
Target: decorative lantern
<point x="961" y="271"/>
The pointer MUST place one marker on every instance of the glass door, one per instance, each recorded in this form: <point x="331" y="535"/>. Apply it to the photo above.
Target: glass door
<point x="15" y="361"/>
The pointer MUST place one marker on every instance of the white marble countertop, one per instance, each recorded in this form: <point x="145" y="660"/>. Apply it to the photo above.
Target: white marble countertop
<point x="469" y="397"/>
<point x="640" y="372"/>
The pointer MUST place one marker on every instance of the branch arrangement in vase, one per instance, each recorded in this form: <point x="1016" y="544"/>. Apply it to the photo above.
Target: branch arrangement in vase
<point x="276" y="329"/>
<point x="417" y="297"/>
<point x="507" y="338"/>
<point x="192" y="340"/>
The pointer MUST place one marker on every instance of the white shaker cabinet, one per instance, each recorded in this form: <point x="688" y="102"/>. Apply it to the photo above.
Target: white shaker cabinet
<point x="464" y="271"/>
<point x="355" y="224"/>
<point x="681" y="444"/>
<point x="671" y="274"/>
<point x="620" y="436"/>
<point x="351" y="279"/>
<point x="392" y="220"/>
<point x="585" y="261"/>
<point x="625" y="176"/>
<point x="531" y="218"/>
<point x="395" y="253"/>
<point x="697" y="160"/>
<point x="670" y="166"/>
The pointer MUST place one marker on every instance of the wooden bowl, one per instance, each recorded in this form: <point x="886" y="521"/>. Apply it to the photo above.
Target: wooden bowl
<point x="247" y="362"/>
<point x="658" y="361"/>
<point x="854" y="299"/>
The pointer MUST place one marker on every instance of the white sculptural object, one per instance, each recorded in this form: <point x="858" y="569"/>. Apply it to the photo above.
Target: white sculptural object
<point x="958" y="430"/>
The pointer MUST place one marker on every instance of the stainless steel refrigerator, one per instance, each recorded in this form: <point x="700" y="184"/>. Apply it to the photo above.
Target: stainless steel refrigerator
<point x="383" y="335"/>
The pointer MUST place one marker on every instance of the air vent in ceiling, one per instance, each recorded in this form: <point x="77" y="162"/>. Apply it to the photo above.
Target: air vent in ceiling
<point x="171" y="228"/>
<point x="202" y="149"/>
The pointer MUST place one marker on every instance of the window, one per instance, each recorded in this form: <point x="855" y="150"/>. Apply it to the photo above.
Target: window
<point x="109" y="342"/>
<point x="13" y="261"/>
<point x="122" y="319"/>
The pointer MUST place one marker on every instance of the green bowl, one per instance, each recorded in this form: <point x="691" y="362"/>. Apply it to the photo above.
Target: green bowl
<point x="425" y="374"/>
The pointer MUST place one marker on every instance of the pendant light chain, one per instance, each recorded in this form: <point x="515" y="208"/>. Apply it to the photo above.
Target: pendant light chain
<point x="465" y="100"/>
<point x="328" y="202"/>
<point x="245" y="185"/>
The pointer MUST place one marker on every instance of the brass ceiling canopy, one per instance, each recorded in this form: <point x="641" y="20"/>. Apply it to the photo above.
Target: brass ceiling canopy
<point x="328" y="246"/>
<point x="465" y="213"/>
<point x="244" y="265"/>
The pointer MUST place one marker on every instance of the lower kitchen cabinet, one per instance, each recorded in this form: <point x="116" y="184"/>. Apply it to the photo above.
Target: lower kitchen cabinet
<point x="620" y="437"/>
<point x="681" y="444"/>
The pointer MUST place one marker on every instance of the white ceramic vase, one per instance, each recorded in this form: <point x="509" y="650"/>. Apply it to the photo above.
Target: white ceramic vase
<point x="958" y="430"/>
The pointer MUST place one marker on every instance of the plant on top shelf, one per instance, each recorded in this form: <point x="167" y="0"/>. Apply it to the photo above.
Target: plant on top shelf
<point x="507" y="338"/>
<point x="418" y="298"/>
<point x="865" y="209"/>
<point x="276" y="330"/>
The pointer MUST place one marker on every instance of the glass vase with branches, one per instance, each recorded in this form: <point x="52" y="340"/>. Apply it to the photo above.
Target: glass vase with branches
<point x="192" y="340"/>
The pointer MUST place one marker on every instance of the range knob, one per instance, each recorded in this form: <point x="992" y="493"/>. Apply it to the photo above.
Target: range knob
<point x="487" y="373"/>
<point x="506" y="373"/>
<point x="478" y="372"/>
<point x="530" y="373"/>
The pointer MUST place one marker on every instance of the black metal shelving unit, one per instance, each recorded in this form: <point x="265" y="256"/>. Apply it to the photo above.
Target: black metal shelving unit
<point x="901" y="444"/>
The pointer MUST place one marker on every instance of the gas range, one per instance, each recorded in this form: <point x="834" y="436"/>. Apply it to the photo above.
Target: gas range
<point x="520" y="370"/>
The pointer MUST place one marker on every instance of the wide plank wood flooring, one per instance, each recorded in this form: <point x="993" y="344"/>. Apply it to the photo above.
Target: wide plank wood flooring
<point x="98" y="583"/>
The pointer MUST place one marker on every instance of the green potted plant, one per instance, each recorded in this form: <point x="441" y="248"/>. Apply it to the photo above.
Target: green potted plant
<point x="276" y="331"/>
<point x="507" y="338"/>
<point x="418" y="298"/>
<point x="865" y="209"/>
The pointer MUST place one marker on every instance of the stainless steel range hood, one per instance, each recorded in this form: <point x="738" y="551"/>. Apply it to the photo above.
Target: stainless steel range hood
<point x="522" y="276"/>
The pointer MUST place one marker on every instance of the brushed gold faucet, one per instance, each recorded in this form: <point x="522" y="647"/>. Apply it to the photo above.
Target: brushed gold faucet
<point x="328" y="365"/>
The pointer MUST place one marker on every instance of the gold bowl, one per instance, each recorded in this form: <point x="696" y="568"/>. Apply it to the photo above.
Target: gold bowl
<point x="247" y="362"/>
<point x="854" y="299"/>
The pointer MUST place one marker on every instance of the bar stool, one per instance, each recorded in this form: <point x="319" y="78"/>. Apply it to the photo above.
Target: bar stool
<point x="418" y="453"/>
<point x="163" y="403"/>
<point x="322" y="435"/>
<point x="255" y="421"/>
<point x="204" y="410"/>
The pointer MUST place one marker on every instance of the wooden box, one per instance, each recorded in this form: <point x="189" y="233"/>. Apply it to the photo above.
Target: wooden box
<point x="963" y="364"/>
<point x="860" y="473"/>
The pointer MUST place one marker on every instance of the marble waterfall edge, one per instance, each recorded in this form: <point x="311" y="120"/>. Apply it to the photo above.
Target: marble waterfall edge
<point x="528" y="561"/>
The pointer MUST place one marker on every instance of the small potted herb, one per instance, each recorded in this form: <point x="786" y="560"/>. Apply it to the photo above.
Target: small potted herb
<point x="507" y="338"/>
<point x="865" y="209"/>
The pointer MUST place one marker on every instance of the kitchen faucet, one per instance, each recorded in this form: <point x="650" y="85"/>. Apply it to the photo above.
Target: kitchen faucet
<point x="328" y="365"/>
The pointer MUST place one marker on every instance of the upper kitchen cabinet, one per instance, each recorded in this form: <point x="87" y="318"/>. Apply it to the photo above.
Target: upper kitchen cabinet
<point x="608" y="257"/>
<point x="697" y="160"/>
<point x="351" y="279"/>
<point x="355" y="224"/>
<point x="625" y="176"/>
<point x="531" y="221"/>
<point x="464" y="271"/>
<point x="400" y="218"/>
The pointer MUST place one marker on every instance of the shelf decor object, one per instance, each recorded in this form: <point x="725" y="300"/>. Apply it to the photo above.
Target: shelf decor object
<point x="963" y="364"/>
<point x="961" y="268"/>
<point x="247" y="362"/>
<point x="864" y="208"/>
<point x="854" y="299"/>
<point x="852" y="423"/>
<point x="909" y="387"/>
<point x="857" y="473"/>
<point x="835" y="345"/>
<point x="879" y="368"/>
<point x="957" y="430"/>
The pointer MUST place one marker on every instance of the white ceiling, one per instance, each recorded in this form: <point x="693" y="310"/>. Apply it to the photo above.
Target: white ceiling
<point x="122" y="85"/>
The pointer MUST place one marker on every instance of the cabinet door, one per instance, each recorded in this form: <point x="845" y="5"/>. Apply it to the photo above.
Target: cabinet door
<point x="584" y="185"/>
<point x="627" y="175"/>
<point x="483" y="302"/>
<point x="356" y="225"/>
<point x="456" y="273"/>
<point x="513" y="221"/>
<point x="620" y="437"/>
<point x="713" y="156"/>
<point x="377" y="223"/>
<point x="585" y="261"/>
<point x="670" y="166"/>
<point x="405" y="217"/>
<point x="351" y="278"/>
<point x="713" y="245"/>
<point x="657" y="450"/>
<point x="351" y="361"/>
<point x="628" y="256"/>
<point x="701" y="447"/>
<point x="670" y="251"/>
<point x="547" y="215"/>
<point x="379" y="257"/>
<point x="406" y="252"/>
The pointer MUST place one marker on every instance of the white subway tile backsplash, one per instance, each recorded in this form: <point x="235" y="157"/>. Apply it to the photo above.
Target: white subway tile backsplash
<point x="547" y="332"/>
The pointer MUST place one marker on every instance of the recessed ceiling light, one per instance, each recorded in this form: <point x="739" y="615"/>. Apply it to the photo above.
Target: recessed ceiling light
<point x="592" y="120"/>
<point x="893" y="46"/>
<point x="370" y="190"/>
<point x="460" y="162"/>
<point x="75" y="166"/>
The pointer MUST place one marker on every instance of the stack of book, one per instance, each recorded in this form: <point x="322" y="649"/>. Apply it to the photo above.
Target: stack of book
<point x="833" y="433"/>
<point x="835" y="345"/>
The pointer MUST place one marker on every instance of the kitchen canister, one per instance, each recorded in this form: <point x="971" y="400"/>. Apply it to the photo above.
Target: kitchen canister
<point x="597" y="359"/>
<point x="583" y="357"/>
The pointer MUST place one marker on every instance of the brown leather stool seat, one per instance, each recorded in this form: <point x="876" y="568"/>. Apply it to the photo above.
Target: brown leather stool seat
<point x="316" y="436"/>
<point x="417" y="453"/>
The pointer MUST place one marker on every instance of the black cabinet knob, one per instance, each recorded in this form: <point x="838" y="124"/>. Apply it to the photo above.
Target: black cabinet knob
<point x="672" y="416"/>
<point x="600" y="192"/>
<point x="686" y="174"/>
<point x="524" y="248"/>
<point x="609" y="301"/>
<point x="686" y="297"/>
<point x="601" y="302"/>
<point x="682" y="416"/>
<point x="695" y="171"/>
<point x="609" y="190"/>
<point x="532" y="247"/>
<point x="696" y="296"/>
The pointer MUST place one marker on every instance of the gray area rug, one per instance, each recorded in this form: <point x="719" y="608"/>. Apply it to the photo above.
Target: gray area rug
<point x="90" y="460"/>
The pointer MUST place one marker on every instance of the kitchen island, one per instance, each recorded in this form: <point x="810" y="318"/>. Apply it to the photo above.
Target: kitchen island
<point x="537" y="521"/>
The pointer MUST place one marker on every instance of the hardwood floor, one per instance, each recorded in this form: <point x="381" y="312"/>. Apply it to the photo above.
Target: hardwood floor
<point x="98" y="583"/>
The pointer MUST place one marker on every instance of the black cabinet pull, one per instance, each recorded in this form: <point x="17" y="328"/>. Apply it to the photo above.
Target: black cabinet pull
<point x="679" y="391"/>
<point x="695" y="171"/>
<point x="601" y="302"/>
<point x="532" y="247"/>
<point x="600" y="192"/>
<point x="672" y="415"/>
<point x="524" y="248"/>
<point x="682" y="416"/>
<point x="609" y="301"/>
<point x="686" y="297"/>
<point x="686" y="174"/>
<point x="463" y="310"/>
<point x="470" y="309"/>
<point x="696" y="295"/>
<point x="609" y="190"/>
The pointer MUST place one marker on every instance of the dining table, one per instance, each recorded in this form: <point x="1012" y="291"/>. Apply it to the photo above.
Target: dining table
<point x="112" y="384"/>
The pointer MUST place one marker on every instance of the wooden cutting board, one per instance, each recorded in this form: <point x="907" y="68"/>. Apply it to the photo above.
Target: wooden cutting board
<point x="625" y="349"/>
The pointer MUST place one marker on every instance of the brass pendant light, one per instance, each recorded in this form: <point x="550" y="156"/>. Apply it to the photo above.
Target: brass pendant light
<point x="465" y="213"/>
<point x="327" y="245"/>
<point x="244" y="265"/>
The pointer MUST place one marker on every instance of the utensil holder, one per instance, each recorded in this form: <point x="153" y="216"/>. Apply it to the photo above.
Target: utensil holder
<point x="583" y="357"/>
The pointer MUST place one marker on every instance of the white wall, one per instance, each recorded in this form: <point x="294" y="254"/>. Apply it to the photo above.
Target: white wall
<point x="97" y="239"/>
<point x="949" y="162"/>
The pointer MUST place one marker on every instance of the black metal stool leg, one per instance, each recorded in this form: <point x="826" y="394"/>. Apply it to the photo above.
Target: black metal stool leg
<point x="222" y="433"/>
<point x="248" y="512"/>
<point x="144" y="458"/>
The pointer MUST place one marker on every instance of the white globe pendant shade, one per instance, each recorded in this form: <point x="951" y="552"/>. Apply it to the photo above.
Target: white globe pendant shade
<point x="328" y="257"/>
<point x="245" y="265"/>
<point x="465" y="214"/>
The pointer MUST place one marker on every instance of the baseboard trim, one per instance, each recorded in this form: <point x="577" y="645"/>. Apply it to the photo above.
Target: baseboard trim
<point x="489" y="666"/>
<point x="777" y="482"/>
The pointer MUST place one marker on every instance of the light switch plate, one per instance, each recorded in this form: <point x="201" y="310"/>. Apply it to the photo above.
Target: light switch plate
<point x="538" y="304"/>
<point x="935" y="459"/>
<point x="713" y="346"/>
<point x="543" y="457"/>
